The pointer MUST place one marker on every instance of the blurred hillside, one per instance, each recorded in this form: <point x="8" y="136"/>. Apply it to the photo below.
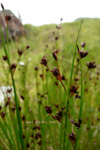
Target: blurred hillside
<point x="90" y="33"/>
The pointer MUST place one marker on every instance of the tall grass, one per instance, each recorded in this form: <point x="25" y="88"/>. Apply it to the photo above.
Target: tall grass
<point x="46" y="112"/>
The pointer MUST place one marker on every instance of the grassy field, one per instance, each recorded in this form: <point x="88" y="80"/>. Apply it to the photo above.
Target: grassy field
<point x="56" y="103"/>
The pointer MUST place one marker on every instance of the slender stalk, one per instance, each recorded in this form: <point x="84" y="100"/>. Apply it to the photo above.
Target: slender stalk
<point x="15" y="93"/>
<point x="71" y="75"/>
<point x="81" y="106"/>
<point x="72" y="68"/>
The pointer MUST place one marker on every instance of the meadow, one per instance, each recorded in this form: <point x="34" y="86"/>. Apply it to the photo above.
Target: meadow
<point x="53" y="73"/>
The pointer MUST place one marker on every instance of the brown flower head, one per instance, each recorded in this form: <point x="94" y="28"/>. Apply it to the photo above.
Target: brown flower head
<point x="20" y="52"/>
<point x="48" y="109"/>
<point x="58" y="27"/>
<point x="20" y="108"/>
<point x="22" y="97"/>
<point x="56" y="73"/>
<point x="23" y="118"/>
<point x="27" y="145"/>
<point x="72" y="137"/>
<point x="77" y="96"/>
<point x="5" y="58"/>
<point x="54" y="56"/>
<point x="91" y="65"/>
<point x="41" y="76"/>
<point x="37" y="136"/>
<point x="27" y="47"/>
<point x="2" y="6"/>
<point x="3" y="115"/>
<point x="36" y="68"/>
<point x="36" y="128"/>
<point x="56" y="38"/>
<point x="73" y="90"/>
<point x="83" y="44"/>
<point x="13" y="109"/>
<point x="58" y="116"/>
<point x="44" y="61"/>
<point x="77" y="124"/>
<point x="9" y="90"/>
<point x="7" y="103"/>
<point x="13" y="66"/>
<point x="8" y="18"/>
<point x="82" y="53"/>
<point x="0" y="107"/>
<point x="63" y="77"/>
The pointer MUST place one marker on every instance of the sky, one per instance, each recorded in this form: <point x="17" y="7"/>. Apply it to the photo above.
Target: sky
<point x="40" y="12"/>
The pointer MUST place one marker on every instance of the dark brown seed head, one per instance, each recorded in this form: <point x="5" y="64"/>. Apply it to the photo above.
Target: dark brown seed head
<point x="27" y="145"/>
<point x="63" y="77"/>
<point x="13" y="109"/>
<point x="42" y="76"/>
<point x="73" y="90"/>
<point x="5" y="58"/>
<point x="77" y="96"/>
<point x="56" y="38"/>
<point x="2" y="6"/>
<point x="36" y="128"/>
<point x="83" y="53"/>
<point x="23" y="136"/>
<point x="0" y="107"/>
<point x="54" y="56"/>
<point x="91" y="65"/>
<point x="37" y="136"/>
<point x="77" y="124"/>
<point x="22" y="97"/>
<point x="13" y="66"/>
<point x="42" y="96"/>
<point x="20" y="52"/>
<point x="9" y="90"/>
<point x="72" y="137"/>
<point x="27" y="47"/>
<point x="23" y="118"/>
<point x="78" y="59"/>
<point x="56" y="51"/>
<point x="47" y="69"/>
<point x="20" y="108"/>
<point x="58" y="116"/>
<point x="44" y="61"/>
<point x="56" y="73"/>
<point x="36" y="68"/>
<point x="8" y="18"/>
<point x="48" y="109"/>
<point x="56" y="105"/>
<point x="83" y="44"/>
<point x="3" y="115"/>
<point x="58" y="27"/>
<point x="7" y="103"/>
